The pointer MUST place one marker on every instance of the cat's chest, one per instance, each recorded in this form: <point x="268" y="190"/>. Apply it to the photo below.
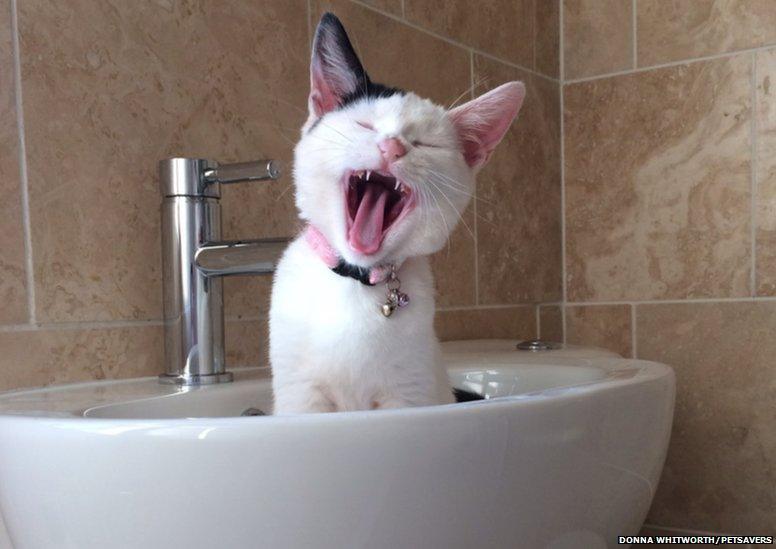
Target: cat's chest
<point x="328" y="304"/>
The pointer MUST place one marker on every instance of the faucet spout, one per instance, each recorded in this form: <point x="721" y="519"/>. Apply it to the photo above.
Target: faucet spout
<point x="241" y="257"/>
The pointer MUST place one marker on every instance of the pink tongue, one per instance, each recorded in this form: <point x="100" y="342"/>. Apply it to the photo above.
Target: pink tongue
<point x="367" y="229"/>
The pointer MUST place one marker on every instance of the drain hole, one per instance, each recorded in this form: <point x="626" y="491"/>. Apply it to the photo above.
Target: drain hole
<point x="253" y="412"/>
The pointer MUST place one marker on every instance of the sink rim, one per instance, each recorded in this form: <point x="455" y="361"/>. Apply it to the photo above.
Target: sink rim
<point x="619" y="373"/>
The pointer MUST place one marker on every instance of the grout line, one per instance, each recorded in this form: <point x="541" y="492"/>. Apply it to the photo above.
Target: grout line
<point x="23" y="175"/>
<point x="634" y="25"/>
<point x="62" y="326"/>
<point x="671" y="64"/>
<point x="533" y="39"/>
<point x="753" y="184"/>
<point x="403" y="9"/>
<point x="309" y="26"/>
<point x="634" y="338"/>
<point x="478" y="307"/>
<point x="563" y="274"/>
<point x="476" y="222"/>
<point x="749" y="299"/>
<point x="481" y="53"/>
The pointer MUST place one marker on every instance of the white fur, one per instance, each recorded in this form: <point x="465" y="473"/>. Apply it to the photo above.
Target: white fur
<point x="331" y="348"/>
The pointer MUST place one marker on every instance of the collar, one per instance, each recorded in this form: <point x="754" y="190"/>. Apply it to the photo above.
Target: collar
<point x="330" y="257"/>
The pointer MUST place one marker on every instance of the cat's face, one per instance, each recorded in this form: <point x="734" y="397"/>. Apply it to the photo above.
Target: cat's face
<point x="382" y="173"/>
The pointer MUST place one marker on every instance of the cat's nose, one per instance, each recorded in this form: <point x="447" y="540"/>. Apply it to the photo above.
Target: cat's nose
<point x="391" y="149"/>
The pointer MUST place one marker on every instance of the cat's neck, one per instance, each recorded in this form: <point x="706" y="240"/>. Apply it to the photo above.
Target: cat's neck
<point x="329" y="256"/>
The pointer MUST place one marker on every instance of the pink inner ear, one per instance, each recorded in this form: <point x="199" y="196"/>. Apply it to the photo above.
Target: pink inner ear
<point x="482" y="122"/>
<point x="322" y="97"/>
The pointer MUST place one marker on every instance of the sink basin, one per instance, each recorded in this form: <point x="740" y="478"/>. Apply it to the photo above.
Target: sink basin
<point x="565" y="451"/>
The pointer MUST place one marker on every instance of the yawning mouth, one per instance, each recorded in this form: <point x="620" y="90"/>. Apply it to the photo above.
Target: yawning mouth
<point x="375" y="202"/>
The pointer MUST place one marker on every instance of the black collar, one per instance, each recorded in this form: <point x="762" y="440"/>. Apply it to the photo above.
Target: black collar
<point x="346" y="269"/>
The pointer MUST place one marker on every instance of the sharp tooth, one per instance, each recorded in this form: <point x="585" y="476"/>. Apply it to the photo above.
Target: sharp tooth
<point x="398" y="184"/>
<point x="368" y="173"/>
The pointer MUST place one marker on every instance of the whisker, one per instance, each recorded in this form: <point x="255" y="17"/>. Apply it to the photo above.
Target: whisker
<point x="454" y="209"/>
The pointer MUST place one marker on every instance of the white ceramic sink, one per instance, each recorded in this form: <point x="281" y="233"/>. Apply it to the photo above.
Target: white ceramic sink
<point x="566" y="452"/>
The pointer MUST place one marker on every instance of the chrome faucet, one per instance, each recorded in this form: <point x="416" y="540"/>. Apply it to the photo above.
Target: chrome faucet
<point x="194" y="258"/>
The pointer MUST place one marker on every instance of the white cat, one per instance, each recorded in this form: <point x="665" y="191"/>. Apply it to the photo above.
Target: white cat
<point x="382" y="177"/>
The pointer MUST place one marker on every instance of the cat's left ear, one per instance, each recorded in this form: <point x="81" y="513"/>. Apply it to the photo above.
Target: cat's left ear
<point x="335" y="70"/>
<point x="482" y="122"/>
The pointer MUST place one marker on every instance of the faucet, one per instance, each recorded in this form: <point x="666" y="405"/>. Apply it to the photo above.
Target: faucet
<point x="194" y="259"/>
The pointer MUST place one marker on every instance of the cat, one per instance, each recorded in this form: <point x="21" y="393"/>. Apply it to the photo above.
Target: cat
<point x="382" y="176"/>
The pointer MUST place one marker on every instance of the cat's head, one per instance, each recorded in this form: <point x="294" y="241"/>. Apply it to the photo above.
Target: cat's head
<point x="385" y="174"/>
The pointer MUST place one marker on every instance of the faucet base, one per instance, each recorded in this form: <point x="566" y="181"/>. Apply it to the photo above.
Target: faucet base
<point x="196" y="379"/>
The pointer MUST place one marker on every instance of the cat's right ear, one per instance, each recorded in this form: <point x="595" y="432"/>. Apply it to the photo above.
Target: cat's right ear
<point x="335" y="70"/>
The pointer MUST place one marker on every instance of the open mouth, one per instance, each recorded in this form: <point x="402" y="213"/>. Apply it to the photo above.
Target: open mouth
<point x="375" y="202"/>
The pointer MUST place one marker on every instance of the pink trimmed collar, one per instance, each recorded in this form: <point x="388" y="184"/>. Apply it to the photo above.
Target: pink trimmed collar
<point x="333" y="261"/>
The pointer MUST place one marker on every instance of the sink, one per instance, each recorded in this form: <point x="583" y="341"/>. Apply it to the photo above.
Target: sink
<point x="566" y="448"/>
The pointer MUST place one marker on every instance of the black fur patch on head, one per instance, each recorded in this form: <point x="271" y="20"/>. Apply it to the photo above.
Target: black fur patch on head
<point x="332" y="51"/>
<point x="372" y="90"/>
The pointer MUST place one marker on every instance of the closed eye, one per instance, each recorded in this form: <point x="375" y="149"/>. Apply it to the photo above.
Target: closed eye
<point x="366" y="125"/>
<point x="424" y="144"/>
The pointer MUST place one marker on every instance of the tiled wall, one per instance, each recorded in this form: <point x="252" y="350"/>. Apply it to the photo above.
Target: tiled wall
<point x="94" y="92"/>
<point x="669" y="209"/>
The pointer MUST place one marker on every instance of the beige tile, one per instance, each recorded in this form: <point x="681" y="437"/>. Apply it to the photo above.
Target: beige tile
<point x="247" y="296"/>
<point x="598" y="37"/>
<point x="391" y="6"/>
<point x="547" y="37"/>
<point x="104" y="101"/>
<point x="503" y="28"/>
<point x="719" y="474"/>
<point x="766" y="174"/>
<point x="454" y="269"/>
<point x="551" y="323"/>
<point x="13" y="294"/>
<point x="671" y="30"/>
<point x="246" y="343"/>
<point x="605" y="326"/>
<point x="46" y="357"/>
<point x="658" y="176"/>
<point x="518" y="197"/>
<point x="418" y="72"/>
<point x="495" y="323"/>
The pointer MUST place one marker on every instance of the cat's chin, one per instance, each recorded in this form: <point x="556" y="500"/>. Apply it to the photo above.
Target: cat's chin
<point x="376" y="202"/>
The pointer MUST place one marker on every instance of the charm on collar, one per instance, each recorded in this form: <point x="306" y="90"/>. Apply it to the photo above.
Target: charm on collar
<point x="395" y="298"/>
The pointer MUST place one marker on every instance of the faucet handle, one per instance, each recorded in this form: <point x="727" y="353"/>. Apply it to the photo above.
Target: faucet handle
<point x="257" y="170"/>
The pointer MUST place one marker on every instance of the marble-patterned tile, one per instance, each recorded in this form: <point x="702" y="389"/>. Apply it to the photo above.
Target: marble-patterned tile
<point x="719" y="473"/>
<point x="765" y="215"/>
<point x="247" y="296"/>
<point x="658" y="175"/>
<point x="502" y="28"/>
<point x="454" y="266"/>
<point x="547" y="37"/>
<point x="518" y="197"/>
<point x="605" y="326"/>
<point x="13" y="292"/>
<point x="54" y="356"/>
<point x="104" y="101"/>
<point x="246" y="343"/>
<point x="598" y="37"/>
<point x="390" y="6"/>
<point x="551" y="323"/>
<point x="491" y="323"/>
<point x="672" y="30"/>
